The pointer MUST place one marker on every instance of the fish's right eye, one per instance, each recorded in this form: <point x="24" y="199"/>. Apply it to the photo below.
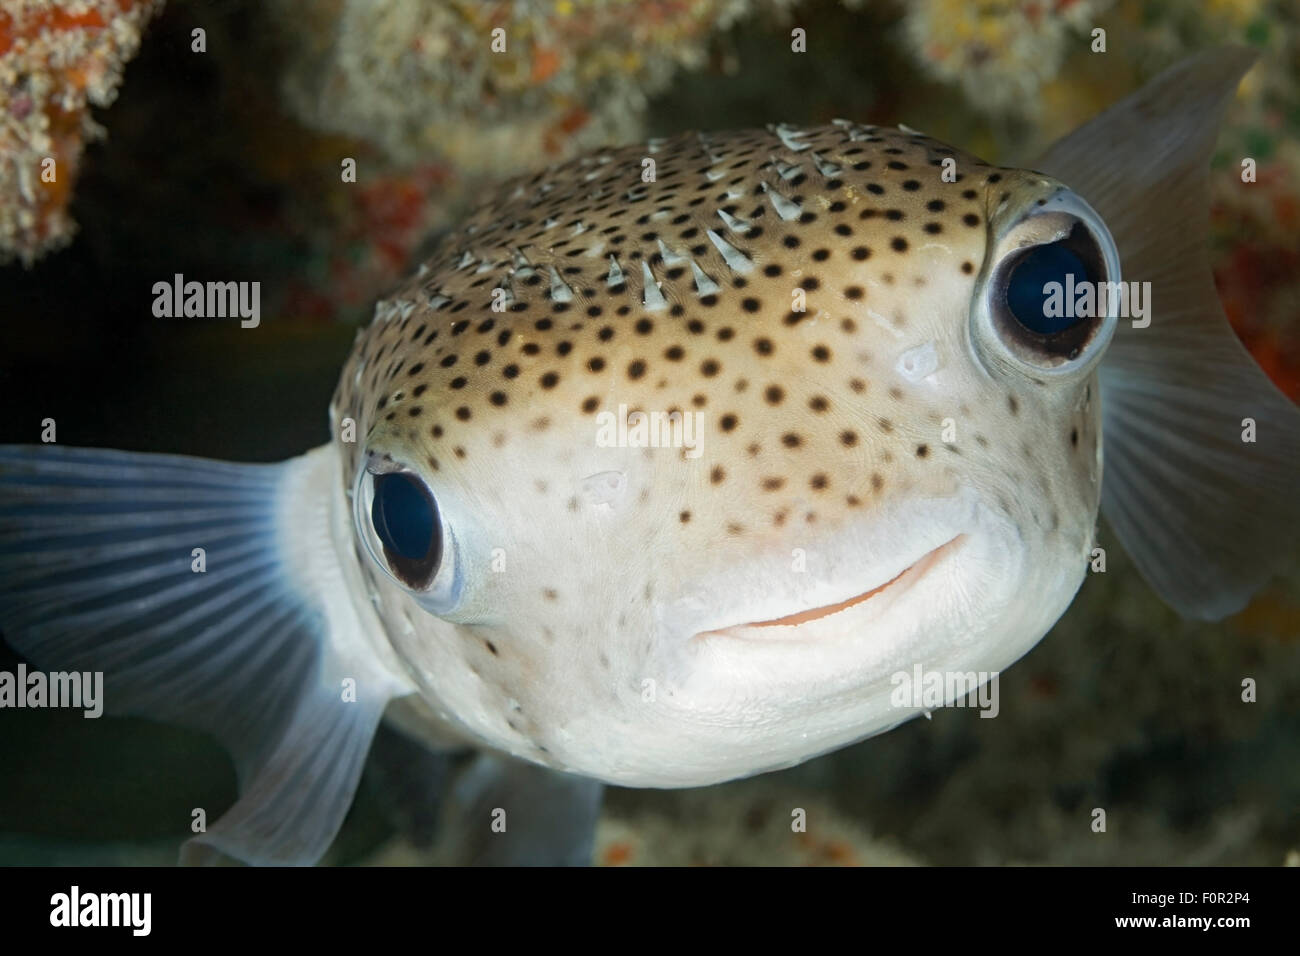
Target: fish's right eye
<point x="397" y="518"/>
<point x="405" y="518"/>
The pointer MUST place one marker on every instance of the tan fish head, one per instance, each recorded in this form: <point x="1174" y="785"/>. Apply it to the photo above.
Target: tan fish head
<point x="734" y="447"/>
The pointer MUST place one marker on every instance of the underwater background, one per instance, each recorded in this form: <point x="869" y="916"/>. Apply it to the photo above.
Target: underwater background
<point x="225" y="164"/>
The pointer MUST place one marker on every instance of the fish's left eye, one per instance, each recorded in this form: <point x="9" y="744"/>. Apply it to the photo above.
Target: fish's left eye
<point x="1030" y="287"/>
<point x="1044" y="303"/>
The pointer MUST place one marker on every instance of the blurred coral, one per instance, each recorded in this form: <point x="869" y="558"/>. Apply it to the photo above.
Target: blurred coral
<point x="57" y="58"/>
<point x="1000" y="52"/>
<point x="431" y="80"/>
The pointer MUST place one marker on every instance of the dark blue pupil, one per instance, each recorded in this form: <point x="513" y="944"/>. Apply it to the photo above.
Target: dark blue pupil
<point x="1028" y="301"/>
<point x="404" y="517"/>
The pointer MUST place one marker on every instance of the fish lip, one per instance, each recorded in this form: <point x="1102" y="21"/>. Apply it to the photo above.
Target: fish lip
<point x="796" y="624"/>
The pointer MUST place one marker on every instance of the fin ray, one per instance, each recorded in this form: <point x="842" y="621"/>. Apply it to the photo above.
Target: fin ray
<point x="96" y="575"/>
<point x="1206" y="516"/>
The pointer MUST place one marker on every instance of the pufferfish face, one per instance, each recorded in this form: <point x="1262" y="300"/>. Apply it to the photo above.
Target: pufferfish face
<point x="663" y="481"/>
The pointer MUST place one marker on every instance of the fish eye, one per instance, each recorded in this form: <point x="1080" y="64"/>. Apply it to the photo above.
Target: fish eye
<point x="1037" y="272"/>
<point x="1045" y="302"/>
<point x="404" y="530"/>
<point x="405" y="519"/>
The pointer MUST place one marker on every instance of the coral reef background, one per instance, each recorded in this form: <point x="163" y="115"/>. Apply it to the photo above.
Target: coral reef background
<point x="226" y="164"/>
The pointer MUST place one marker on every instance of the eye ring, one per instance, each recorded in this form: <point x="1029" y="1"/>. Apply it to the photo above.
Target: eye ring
<point x="1059" y="239"/>
<point x="405" y="532"/>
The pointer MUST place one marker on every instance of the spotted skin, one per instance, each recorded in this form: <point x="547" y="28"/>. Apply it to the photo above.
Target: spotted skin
<point x="816" y="425"/>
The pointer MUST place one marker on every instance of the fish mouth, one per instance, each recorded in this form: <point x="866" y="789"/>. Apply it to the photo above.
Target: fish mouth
<point x="798" y="623"/>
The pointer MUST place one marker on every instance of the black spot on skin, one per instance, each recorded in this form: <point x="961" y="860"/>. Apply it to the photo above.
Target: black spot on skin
<point x="898" y="244"/>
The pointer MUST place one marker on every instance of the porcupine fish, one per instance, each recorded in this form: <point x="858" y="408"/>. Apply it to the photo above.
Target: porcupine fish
<point x="466" y="557"/>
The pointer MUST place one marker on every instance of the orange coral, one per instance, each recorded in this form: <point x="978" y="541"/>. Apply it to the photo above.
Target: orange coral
<point x="57" y="58"/>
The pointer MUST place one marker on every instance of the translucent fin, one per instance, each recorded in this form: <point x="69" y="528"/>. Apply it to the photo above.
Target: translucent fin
<point x="549" y="818"/>
<point x="98" y="573"/>
<point x="1206" y="516"/>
